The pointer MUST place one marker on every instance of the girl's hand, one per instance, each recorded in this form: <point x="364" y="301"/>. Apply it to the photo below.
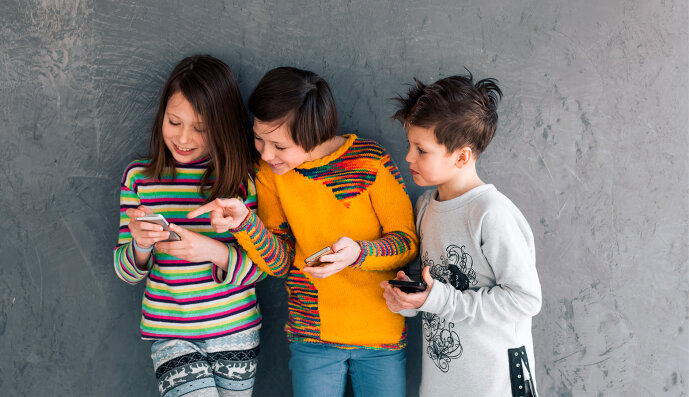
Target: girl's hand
<point x="145" y="233"/>
<point x="225" y="214"/>
<point x="195" y="247"/>
<point x="346" y="252"/>
<point x="398" y="300"/>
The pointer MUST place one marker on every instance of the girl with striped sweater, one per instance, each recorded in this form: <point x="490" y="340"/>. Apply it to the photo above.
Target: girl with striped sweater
<point x="199" y="306"/>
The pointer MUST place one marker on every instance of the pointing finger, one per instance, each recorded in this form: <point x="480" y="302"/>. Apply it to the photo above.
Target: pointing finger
<point x="203" y="209"/>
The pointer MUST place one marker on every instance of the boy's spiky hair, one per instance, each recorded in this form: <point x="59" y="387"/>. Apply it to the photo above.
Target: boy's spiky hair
<point x="459" y="112"/>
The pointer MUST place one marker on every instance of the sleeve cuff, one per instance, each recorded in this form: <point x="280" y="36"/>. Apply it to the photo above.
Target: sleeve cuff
<point x="362" y="256"/>
<point x="138" y="248"/>
<point x="219" y="275"/>
<point x="434" y="300"/>
<point x="132" y="255"/>
<point x="408" y="312"/>
<point x="244" y="226"/>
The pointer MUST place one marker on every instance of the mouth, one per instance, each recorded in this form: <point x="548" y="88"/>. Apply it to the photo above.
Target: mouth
<point x="275" y="165"/>
<point x="413" y="172"/>
<point x="182" y="150"/>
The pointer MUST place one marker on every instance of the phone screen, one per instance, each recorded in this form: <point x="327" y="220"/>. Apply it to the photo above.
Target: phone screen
<point x="315" y="259"/>
<point x="160" y="220"/>
<point x="408" y="287"/>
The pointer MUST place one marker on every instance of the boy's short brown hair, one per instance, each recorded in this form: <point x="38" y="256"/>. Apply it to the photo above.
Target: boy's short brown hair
<point x="300" y="98"/>
<point x="459" y="112"/>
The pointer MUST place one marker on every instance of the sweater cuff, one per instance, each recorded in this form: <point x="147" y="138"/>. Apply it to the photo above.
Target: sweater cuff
<point x="407" y="312"/>
<point x="436" y="298"/>
<point x="132" y="255"/>
<point x="220" y="275"/>
<point x="362" y="255"/>
<point x="244" y="226"/>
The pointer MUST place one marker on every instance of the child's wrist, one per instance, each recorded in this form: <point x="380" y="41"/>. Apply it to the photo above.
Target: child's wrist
<point x="243" y="224"/>
<point x="140" y="248"/>
<point x="221" y="258"/>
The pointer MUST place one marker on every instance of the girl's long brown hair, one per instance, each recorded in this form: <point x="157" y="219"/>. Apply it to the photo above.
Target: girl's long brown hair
<point x="211" y="89"/>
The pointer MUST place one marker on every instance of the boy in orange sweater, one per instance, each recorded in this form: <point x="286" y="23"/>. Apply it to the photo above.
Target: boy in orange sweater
<point x="317" y="189"/>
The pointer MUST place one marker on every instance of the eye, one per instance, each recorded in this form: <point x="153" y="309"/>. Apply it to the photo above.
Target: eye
<point x="257" y="138"/>
<point x="199" y="130"/>
<point x="173" y="123"/>
<point x="421" y="151"/>
<point x="279" y="147"/>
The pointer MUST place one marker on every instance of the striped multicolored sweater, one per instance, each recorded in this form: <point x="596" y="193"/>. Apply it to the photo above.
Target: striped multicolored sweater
<point x="357" y="192"/>
<point x="186" y="300"/>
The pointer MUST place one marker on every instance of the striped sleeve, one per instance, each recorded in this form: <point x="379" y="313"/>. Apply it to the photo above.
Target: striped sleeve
<point x="273" y="250"/>
<point x="241" y="269"/>
<point x="125" y="264"/>
<point x="399" y="243"/>
<point x="269" y="240"/>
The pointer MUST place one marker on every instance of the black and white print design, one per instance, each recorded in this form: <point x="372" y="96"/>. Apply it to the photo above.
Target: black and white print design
<point x="443" y="342"/>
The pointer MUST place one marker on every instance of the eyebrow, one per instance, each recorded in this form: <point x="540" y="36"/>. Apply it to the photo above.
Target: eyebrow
<point x="281" y="143"/>
<point x="172" y="114"/>
<point x="268" y="132"/>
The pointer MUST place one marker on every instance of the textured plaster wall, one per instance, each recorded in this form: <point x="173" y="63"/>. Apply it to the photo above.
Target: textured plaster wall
<point x="592" y="146"/>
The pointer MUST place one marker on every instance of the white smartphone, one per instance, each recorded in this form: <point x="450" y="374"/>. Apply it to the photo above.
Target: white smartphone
<point x="160" y="220"/>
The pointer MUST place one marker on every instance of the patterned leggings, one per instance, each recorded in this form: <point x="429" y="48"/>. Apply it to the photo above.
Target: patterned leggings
<point x="220" y="367"/>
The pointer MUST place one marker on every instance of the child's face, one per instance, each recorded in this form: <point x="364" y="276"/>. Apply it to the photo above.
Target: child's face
<point x="183" y="130"/>
<point x="430" y="163"/>
<point x="274" y="142"/>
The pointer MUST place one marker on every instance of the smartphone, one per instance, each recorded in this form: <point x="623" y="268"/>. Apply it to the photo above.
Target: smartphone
<point x="408" y="287"/>
<point x="315" y="259"/>
<point x="160" y="220"/>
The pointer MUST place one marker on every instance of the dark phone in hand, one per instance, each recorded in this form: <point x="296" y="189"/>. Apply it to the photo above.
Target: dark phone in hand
<point x="408" y="287"/>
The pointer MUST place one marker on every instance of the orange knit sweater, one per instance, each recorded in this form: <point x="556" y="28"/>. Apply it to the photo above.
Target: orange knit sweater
<point x="357" y="192"/>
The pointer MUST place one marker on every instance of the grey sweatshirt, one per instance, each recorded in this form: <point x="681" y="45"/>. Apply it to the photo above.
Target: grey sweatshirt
<point x="467" y="333"/>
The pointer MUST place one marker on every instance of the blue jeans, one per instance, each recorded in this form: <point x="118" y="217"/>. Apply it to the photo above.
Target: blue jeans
<point x="321" y="370"/>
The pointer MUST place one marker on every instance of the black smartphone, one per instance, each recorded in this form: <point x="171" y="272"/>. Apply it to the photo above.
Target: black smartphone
<point x="408" y="287"/>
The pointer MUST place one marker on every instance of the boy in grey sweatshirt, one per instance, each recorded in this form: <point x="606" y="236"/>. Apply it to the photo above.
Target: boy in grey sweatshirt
<point x="477" y="250"/>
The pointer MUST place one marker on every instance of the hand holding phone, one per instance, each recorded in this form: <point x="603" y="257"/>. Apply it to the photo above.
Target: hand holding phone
<point x="402" y="293"/>
<point x="315" y="259"/>
<point x="144" y="233"/>
<point x="161" y="221"/>
<point x="408" y="287"/>
<point x="331" y="260"/>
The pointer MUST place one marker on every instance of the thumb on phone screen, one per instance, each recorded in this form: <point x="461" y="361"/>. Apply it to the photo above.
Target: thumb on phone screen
<point x="402" y="276"/>
<point x="426" y="276"/>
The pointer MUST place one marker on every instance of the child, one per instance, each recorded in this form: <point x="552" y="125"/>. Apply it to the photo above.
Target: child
<point x="319" y="190"/>
<point x="199" y="305"/>
<point x="476" y="248"/>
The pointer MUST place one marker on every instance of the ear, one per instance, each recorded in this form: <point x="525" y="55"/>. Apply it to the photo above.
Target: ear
<point x="463" y="156"/>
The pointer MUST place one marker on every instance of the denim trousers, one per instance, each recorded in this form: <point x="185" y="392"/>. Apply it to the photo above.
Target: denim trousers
<point x="321" y="370"/>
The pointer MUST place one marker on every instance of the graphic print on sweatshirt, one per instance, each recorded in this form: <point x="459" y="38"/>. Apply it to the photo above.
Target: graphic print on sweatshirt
<point x="456" y="268"/>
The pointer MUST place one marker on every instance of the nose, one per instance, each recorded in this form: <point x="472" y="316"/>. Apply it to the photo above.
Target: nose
<point x="409" y="158"/>
<point x="266" y="153"/>
<point x="186" y="135"/>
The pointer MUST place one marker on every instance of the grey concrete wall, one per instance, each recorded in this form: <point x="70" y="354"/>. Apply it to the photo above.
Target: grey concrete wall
<point x="592" y="146"/>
